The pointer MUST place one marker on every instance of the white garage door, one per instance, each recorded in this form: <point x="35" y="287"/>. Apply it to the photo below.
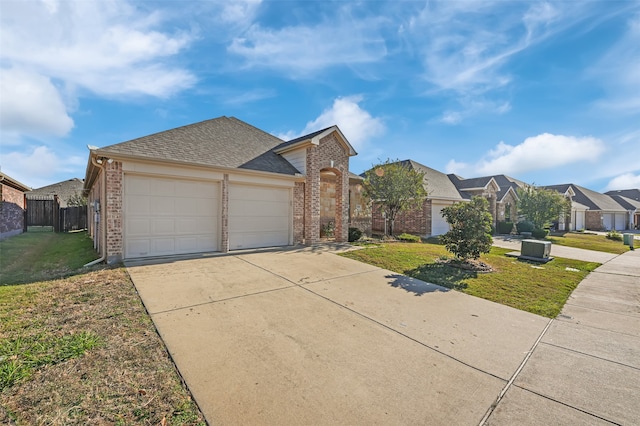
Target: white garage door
<point x="579" y="220"/>
<point x="439" y="225"/>
<point x="620" y="223"/>
<point x="259" y="216"/>
<point x="170" y="216"/>
<point x="607" y="221"/>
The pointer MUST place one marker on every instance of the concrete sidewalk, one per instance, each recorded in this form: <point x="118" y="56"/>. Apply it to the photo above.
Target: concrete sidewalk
<point x="556" y="250"/>
<point x="586" y="368"/>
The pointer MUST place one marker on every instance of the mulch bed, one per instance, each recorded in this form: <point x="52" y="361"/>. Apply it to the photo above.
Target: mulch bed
<point x="469" y="265"/>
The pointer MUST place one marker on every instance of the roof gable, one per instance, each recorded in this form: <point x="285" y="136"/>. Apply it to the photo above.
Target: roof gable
<point x="314" y="139"/>
<point x="9" y="181"/>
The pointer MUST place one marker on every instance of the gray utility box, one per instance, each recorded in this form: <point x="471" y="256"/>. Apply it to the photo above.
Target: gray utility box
<point x="627" y="239"/>
<point x="535" y="248"/>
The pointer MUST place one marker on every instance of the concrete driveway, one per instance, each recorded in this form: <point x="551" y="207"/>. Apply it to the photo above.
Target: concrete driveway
<point x="308" y="337"/>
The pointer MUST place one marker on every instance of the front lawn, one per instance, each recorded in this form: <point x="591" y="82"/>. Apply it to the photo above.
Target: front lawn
<point x="589" y="242"/>
<point x="541" y="289"/>
<point x="82" y="349"/>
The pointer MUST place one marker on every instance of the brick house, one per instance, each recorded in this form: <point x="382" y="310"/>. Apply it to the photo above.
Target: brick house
<point x="630" y="200"/>
<point x="445" y="190"/>
<point x="592" y="210"/>
<point x="499" y="190"/>
<point x="426" y="220"/>
<point x="216" y="185"/>
<point x="13" y="204"/>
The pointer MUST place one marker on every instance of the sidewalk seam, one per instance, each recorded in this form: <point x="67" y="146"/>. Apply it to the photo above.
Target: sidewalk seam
<point x="515" y="375"/>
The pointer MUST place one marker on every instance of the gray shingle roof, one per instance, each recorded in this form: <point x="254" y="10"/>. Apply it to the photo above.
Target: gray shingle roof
<point x="633" y="194"/>
<point x="302" y="138"/>
<point x="592" y="199"/>
<point x="64" y="190"/>
<point x="437" y="184"/>
<point x="223" y="142"/>
<point x="627" y="203"/>
<point x="503" y="181"/>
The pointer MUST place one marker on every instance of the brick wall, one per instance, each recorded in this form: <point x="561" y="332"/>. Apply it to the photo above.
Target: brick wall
<point x="593" y="220"/>
<point x="224" y="232"/>
<point x="327" y="199"/>
<point x="415" y="221"/>
<point x="115" y="182"/>
<point x="12" y="208"/>
<point x="298" y="212"/>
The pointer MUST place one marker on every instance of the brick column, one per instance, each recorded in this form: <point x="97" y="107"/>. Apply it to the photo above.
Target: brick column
<point x="114" y="219"/>
<point x="298" y="212"/>
<point x="224" y="223"/>
<point x="312" y="198"/>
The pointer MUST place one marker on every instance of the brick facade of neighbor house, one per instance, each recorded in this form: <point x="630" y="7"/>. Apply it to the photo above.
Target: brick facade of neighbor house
<point x="328" y="155"/>
<point x="415" y="221"/>
<point x="593" y="220"/>
<point x="327" y="200"/>
<point x="12" y="208"/>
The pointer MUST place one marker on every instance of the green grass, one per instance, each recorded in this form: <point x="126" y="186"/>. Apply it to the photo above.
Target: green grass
<point x="540" y="289"/>
<point x="21" y="356"/>
<point x="589" y="242"/>
<point x="38" y="256"/>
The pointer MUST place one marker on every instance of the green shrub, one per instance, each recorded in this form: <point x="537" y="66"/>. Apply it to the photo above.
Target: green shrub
<point x="505" y="227"/>
<point x="539" y="233"/>
<point x="524" y="226"/>
<point x="409" y="238"/>
<point x="614" y="235"/>
<point x="354" y="234"/>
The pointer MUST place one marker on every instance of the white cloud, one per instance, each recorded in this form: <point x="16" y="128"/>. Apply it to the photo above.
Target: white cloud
<point x="108" y="48"/>
<point x="356" y="124"/>
<point x="625" y="181"/>
<point x="31" y="105"/>
<point x="37" y="165"/>
<point x="545" y="151"/>
<point x="304" y="50"/>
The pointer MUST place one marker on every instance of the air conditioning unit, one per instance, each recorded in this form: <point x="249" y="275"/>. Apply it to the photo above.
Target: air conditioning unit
<point x="535" y="248"/>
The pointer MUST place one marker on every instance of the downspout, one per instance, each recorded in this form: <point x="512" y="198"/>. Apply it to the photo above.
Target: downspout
<point x="103" y="210"/>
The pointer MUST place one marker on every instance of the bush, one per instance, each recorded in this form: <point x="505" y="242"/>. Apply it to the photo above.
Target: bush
<point x="354" y="234"/>
<point x="469" y="229"/>
<point x="539" y="233"/>
<point x="505" y="227"/>
<point x="409" y="238"/>
<point x="524" y="226"/>
<point x="614" y="235"/>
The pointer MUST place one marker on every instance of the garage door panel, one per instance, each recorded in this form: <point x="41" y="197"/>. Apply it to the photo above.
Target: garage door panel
<point x="439" y="225"/>
<point x="165" y="216"/>
<point x="620" y="224"/>
<point x="259" y="216"/>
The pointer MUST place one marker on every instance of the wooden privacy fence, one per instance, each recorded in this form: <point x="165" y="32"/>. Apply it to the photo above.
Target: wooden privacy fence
<point x="73" y="218"/>
<point x="44" y="210"/>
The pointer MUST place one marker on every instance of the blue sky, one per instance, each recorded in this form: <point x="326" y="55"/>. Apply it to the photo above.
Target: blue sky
<point x="546" y="92"/>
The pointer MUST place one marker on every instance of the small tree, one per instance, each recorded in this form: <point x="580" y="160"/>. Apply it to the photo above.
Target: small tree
<point x="470" y="228"/>
<point x="541" y="206"/>
<point x="76" y="200"/>
<point x="395" y="186"/>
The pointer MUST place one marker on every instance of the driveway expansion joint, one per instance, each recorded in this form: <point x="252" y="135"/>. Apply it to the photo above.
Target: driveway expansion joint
<point x="590" y="355"/>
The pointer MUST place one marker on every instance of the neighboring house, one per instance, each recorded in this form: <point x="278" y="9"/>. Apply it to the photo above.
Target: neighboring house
<point x="630" y="200"/>
<point x="499" y="190"/>
<point x="216" y="185"/>
<point x="426" y="220"/>
<point x="63" y="190"/>
<point x="601" y="211"/>
<point x="13" y="204"/>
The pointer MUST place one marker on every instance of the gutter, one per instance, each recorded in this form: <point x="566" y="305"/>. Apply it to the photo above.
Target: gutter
<point x="103" y="210"/>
